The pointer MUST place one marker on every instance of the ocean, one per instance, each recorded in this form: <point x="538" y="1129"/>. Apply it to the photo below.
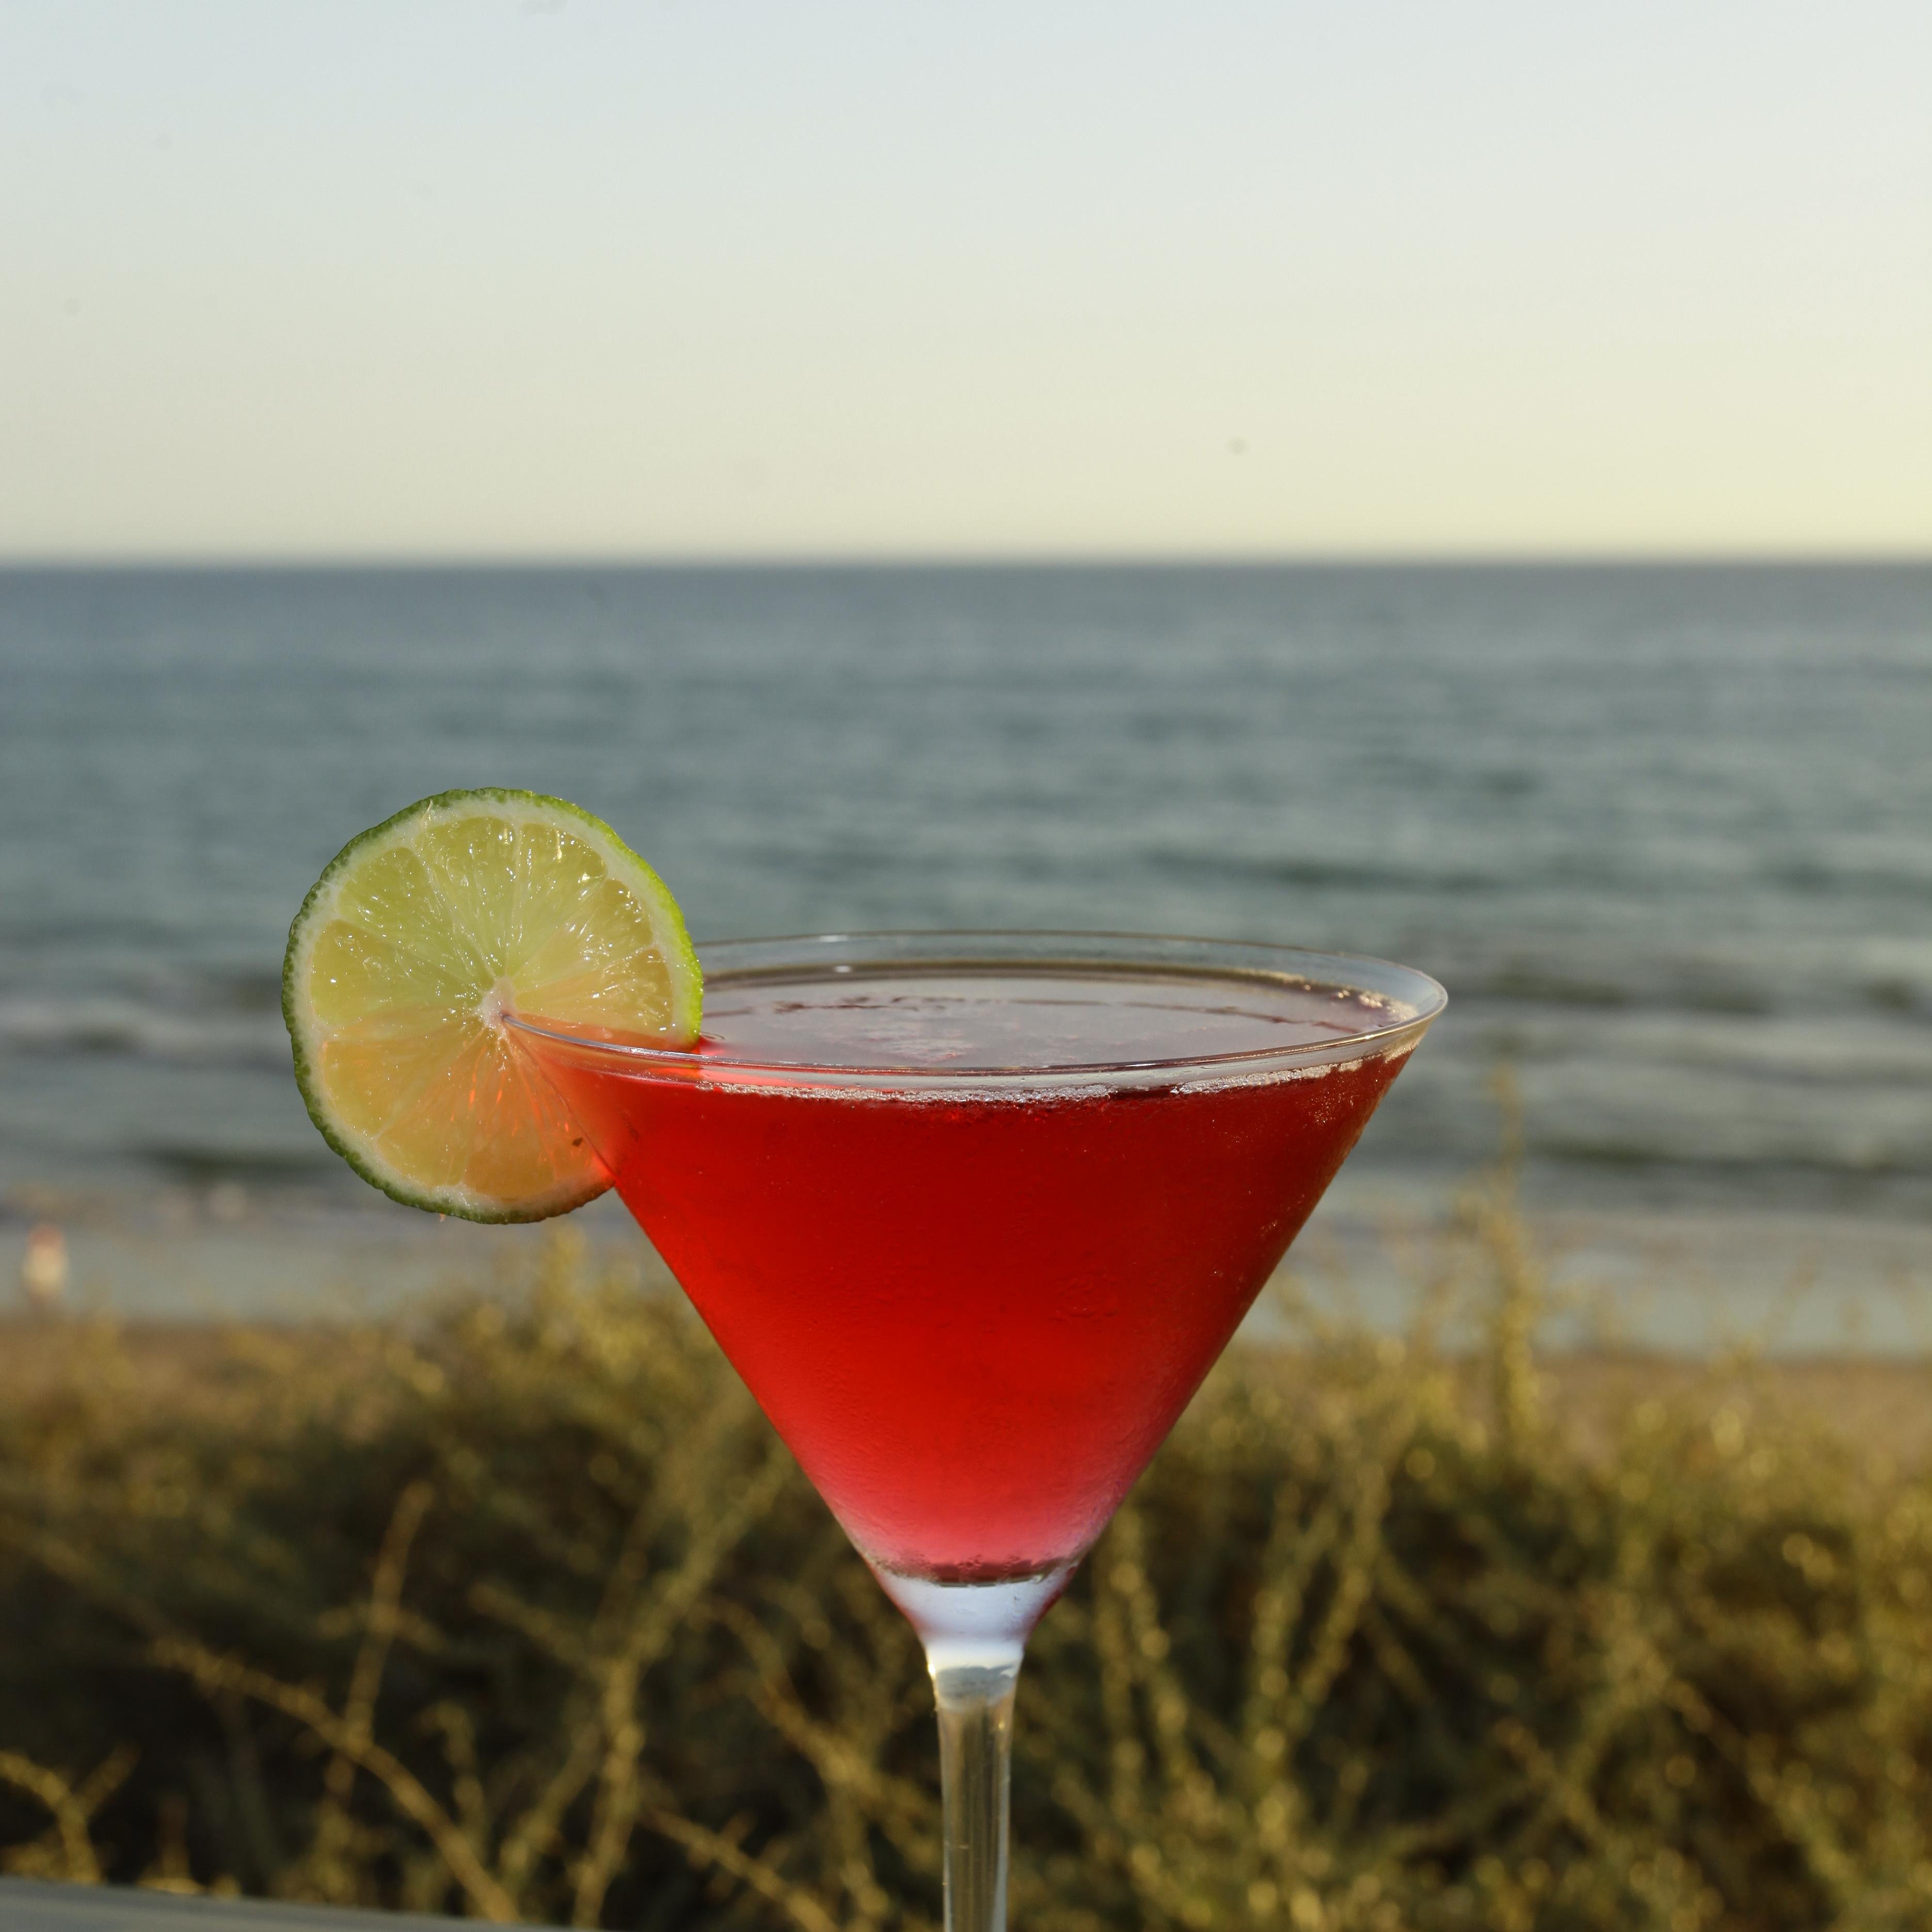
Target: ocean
<point x="1665" y="833"/>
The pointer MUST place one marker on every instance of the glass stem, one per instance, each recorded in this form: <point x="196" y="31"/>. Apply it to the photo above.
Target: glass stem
<point x="976" y="1747"/>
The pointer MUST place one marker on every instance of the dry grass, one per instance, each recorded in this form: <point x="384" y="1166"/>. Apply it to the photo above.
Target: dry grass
<point x="521" y="1613"/>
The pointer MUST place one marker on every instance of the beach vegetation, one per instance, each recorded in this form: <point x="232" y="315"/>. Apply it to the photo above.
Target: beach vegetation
<point x="517" y="1609"/>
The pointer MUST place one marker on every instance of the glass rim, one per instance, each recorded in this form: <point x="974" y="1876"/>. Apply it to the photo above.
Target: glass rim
<point x="1413" y="999"/>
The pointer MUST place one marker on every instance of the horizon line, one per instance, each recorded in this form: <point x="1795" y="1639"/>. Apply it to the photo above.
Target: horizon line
<point x="132" y="562"/>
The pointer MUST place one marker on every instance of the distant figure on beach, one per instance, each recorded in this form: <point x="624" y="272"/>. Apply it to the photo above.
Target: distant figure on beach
<point x="44" y="1268"/>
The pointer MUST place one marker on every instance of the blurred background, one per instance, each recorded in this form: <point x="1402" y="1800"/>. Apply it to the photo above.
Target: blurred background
<point x="1450" y="482"/>
<point x="1454" y="483"/>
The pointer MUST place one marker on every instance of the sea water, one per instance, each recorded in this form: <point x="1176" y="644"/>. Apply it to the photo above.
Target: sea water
<point x="1665" y="833"/>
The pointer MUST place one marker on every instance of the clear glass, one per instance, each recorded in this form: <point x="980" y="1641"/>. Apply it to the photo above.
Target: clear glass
<point x="974" y="1631"/>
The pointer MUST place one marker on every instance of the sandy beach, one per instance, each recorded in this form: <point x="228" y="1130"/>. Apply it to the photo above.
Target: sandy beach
<point x="1876" y="1405"/>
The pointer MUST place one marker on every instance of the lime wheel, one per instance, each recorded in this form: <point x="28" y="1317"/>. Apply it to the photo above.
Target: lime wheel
<point x="419" y="938"/>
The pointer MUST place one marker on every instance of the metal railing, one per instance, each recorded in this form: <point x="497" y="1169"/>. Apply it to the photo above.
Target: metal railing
<point x="27" y="1906"/>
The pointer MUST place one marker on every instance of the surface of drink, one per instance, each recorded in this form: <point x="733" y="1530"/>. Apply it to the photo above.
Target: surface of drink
<point x="973" y="1283"/>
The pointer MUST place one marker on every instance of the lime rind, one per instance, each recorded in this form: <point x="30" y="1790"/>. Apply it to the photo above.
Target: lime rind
<point x="428" y="872"/>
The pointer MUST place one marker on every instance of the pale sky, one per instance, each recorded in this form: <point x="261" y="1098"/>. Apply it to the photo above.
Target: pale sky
<point x="786" y="277"/>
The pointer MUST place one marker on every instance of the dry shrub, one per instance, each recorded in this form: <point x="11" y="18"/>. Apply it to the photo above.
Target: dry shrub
<point x="520" y="1612"/>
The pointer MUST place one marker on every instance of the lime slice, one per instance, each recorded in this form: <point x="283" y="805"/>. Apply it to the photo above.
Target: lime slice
<point x="418" y="938"/>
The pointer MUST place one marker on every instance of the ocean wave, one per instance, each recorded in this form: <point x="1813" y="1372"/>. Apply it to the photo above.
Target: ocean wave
<point x="1308" y="870"/>
<point x="194" y="1164"/>
<point x="1903" y="1162"/>
<point x="113" y="1027"/>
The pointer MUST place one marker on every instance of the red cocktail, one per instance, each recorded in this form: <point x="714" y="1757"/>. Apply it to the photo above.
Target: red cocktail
<point x="974" y="1314"/>
<point x="972" y="1216"/>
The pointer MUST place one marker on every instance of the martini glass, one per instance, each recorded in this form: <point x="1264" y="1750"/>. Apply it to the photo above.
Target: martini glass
<point x="972" y="1214"/>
